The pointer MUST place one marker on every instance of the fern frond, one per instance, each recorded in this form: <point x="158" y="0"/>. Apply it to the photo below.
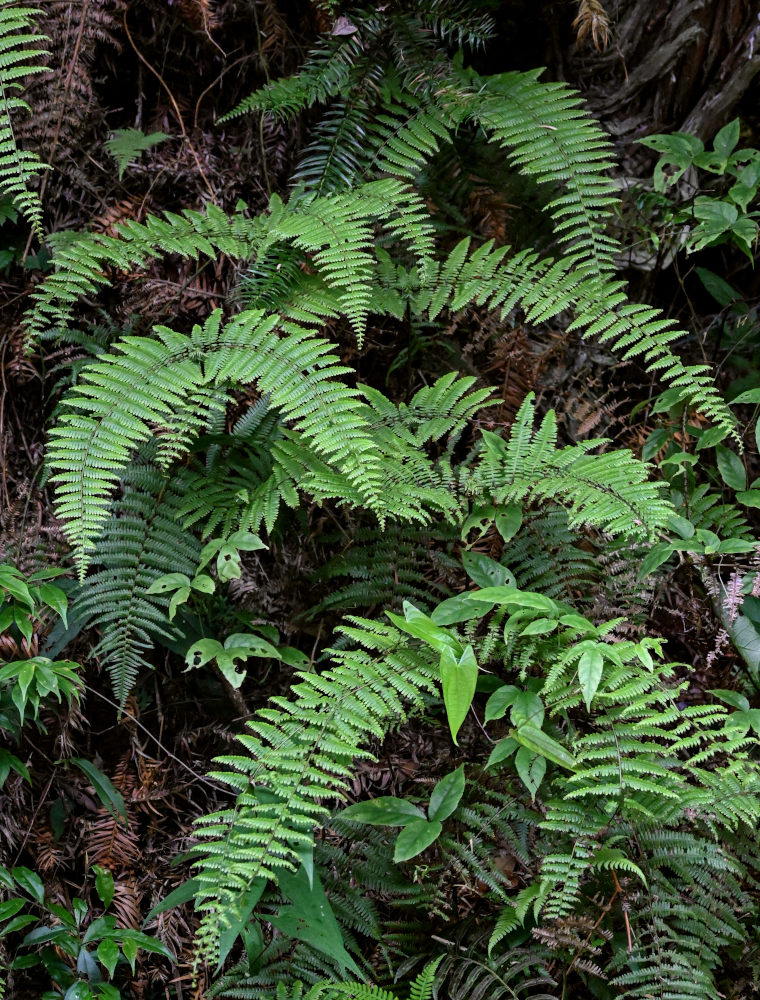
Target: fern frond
<point x="302" y="751"/>
<point x="19" y="58"/>
<point x="141" y="541"/>
<point x="325" y="75"/>
<point x="121" y="399"/>
<point x="544" y="288"/>
<point x="609" y="490"/>
<point x="552" y="138"/>
<point x="82" y="260"/>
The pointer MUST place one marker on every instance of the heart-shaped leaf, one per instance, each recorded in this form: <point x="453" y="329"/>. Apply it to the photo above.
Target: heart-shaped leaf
<point x="459" y="677"/>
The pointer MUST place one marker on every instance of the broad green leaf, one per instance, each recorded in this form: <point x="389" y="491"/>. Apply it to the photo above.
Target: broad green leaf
<point x="734" y="546"/>
<point x="21" y="921"/>
<point x="723" y="293"/>
<point x="657" y="555"/>
<point x="416" y="623"/>
<point x="590" y="668"/>
<point x="10" y="581"/>
<point x="446" y="795"/>
<point x="129" y="947"/>
<point x="108" y="954"/>
<point x="750" y="498"/>
<point x="146" y="942"/>
<point x="746" y="639"/>
<point x="168" y="582"/>
<point x="541" y="743"/>
<point x="79" y="991"/>
<point x="681" y="525"/>
<point x="311" y="918"/>
<point x="486" y="572"/>
<point x="513" y="597"/>
<point x="527" y="709"/>
<point x="238" y="919"/>
<point x="726" y="141"/>
<point x="178" y="597"/>
<point x="183" y="894"/>
<point x="226" y="661"/>
<point x="481" y="518"/>
<point x="500" y="701"/>
<point x="731" y="468"/>
<point x="208" y="552"/>
<point x="30" y="882"/>
<point x="458" y="609"/>
<point x="459" y="676"/>
<point x="654" y="442"/>
<point x="246" y="541"/>
<point x="509" y="521"/>
<point x="578" y="623"/>
<point x="201" y="652"/>
<point x="383" y="811"/>
<point x="749" y="396"/>
<point x="56" y="599"/>
<point x="228" y="565"/>
<point x="414" y="838"/>
<point x="732" y="698"/>
<point x="745" y="720"/>
<point x="203" y="583"/>
<point x="10" y="762"/>
<point x="48" y="573"/>
<point x="503" y="749"/>
<point x="712" y="436"/>
<point x="540" y="626"/>
<point x="10" y="908"/>
<point x="531" y="769"/>
<point x="104" y="885"/>
<point x="254" y="644"/>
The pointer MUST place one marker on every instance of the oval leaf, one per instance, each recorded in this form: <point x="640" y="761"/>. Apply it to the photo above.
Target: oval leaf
<point x="500" y="701"/>
<point x="415" y="837"/>
<point x="384" y="811"/>
<point x="590" y="667"/>
<point x="484" y="571"/>
<point x="447" y="795"/>
<point x="731" y="468"/>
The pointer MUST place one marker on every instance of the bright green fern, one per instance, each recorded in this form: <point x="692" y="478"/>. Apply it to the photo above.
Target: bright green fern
<point x="20" y="57"/>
